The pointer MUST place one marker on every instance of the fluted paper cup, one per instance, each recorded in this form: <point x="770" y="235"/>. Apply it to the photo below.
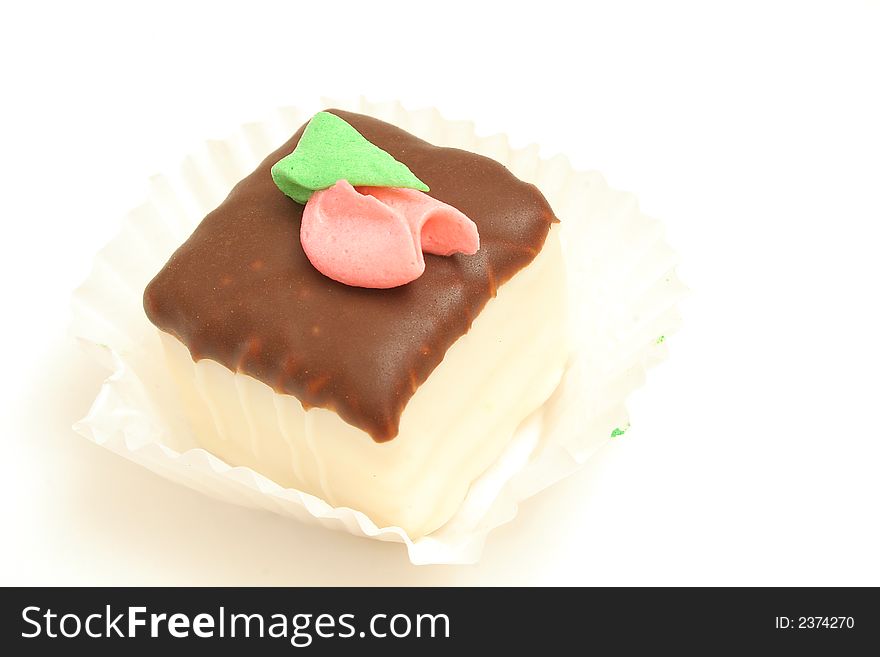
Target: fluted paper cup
<point x="622" y="292"/>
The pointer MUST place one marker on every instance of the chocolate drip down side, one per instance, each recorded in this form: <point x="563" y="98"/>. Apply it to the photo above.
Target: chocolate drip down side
<point x="241" y="291"/>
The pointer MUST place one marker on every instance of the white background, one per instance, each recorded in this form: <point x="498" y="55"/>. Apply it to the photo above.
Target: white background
<point x="752" y="130"/>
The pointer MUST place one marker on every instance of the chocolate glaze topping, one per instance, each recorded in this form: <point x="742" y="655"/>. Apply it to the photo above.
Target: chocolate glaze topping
<point x="240" y="290"/>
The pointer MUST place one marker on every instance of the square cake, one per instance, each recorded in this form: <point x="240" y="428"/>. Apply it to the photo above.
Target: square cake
<point x="388" y="401"/>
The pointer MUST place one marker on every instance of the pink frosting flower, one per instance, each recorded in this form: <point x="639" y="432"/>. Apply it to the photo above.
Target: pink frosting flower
<point x="375" y="236"/>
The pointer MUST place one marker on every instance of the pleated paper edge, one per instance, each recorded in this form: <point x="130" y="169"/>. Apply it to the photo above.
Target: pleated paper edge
<point x="179" y="201"/>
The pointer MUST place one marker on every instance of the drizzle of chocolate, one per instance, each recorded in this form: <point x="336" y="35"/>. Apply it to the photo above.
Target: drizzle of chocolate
<point x="240" y="290"/>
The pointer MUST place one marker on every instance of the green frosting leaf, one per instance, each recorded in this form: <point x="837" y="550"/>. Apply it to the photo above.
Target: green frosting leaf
<point x="330" y="150"/>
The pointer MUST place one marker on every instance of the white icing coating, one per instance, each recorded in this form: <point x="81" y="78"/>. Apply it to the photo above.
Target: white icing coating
<point x="454" y="427"/>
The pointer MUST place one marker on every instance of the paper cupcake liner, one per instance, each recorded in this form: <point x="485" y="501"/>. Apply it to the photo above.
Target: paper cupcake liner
<point x="622" y="292"/>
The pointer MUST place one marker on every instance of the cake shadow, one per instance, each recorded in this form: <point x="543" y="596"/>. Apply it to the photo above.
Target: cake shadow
<point x="129" y="526"/>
